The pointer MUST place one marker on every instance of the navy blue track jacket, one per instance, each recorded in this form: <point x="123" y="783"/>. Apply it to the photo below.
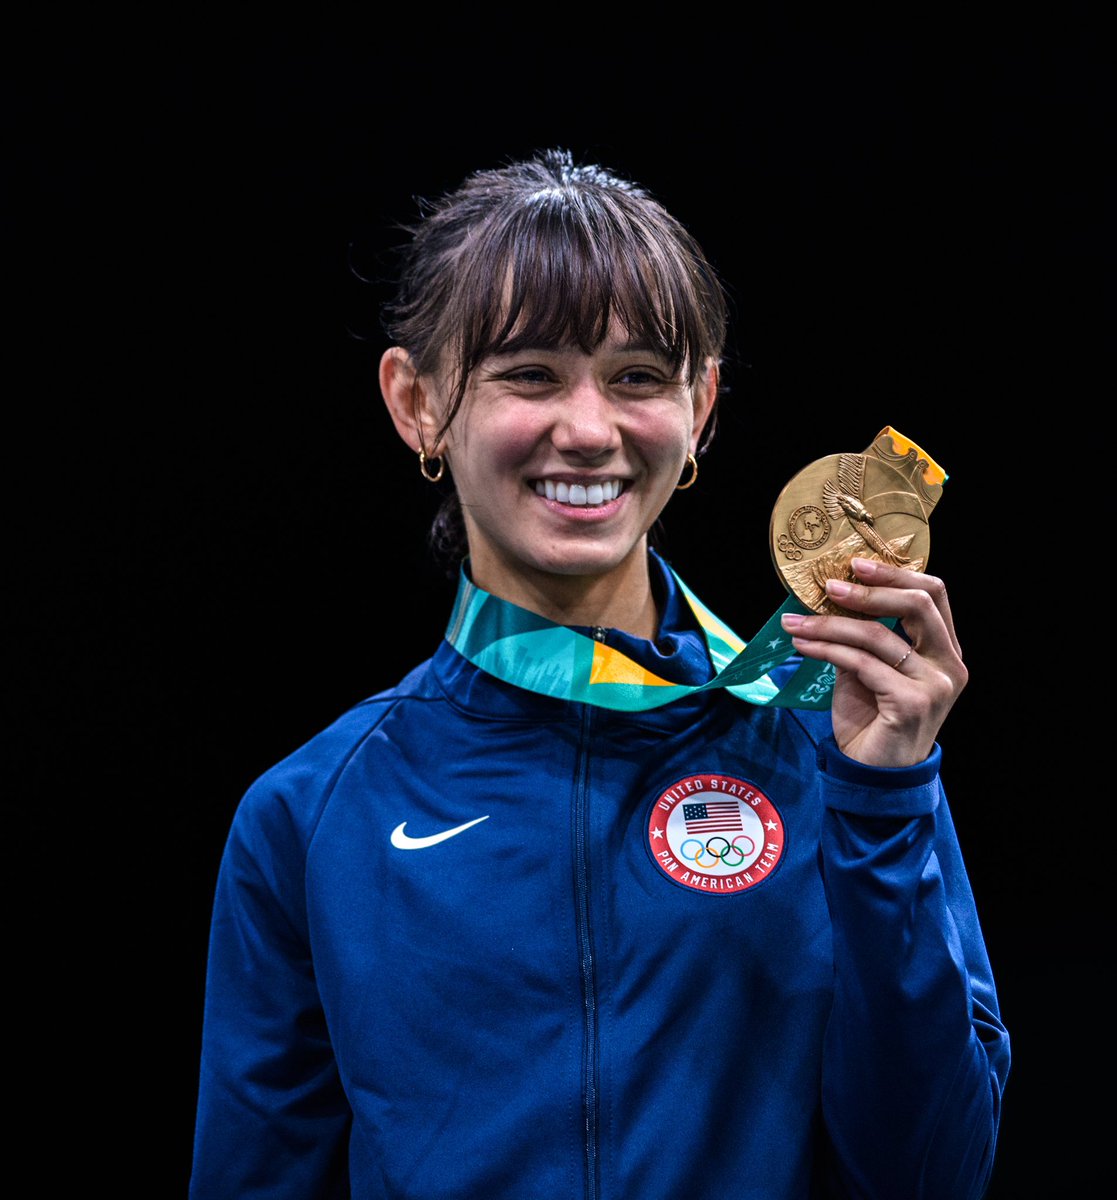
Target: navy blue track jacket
<point x="689" y="952"/>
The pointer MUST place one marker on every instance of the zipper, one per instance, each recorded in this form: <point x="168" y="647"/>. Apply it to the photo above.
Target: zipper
<point x="585" y="953"/>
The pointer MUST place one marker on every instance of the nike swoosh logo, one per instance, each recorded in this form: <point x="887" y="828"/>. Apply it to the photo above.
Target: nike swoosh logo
<point x="401" y="841"/>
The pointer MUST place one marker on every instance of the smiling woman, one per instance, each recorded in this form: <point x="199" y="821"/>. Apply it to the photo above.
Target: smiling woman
<point x="568" y="912"/>
<point x="562" y="461"/>
<point x="581" y="325"/>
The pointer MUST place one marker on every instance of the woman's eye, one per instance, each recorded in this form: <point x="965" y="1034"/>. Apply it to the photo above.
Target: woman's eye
<point x="638" y="377"/>
<point x="528" y="375"/>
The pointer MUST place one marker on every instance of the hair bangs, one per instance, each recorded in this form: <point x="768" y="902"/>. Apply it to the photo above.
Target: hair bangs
<point x="561" y="272"/>
<point x="548" y="253"/>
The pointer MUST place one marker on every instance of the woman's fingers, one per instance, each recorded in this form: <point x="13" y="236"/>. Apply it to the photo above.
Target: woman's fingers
<point x="873" y="575"/>
<point x="881" y="659"/>
<point x="884" y="663"/>
<point x="920" y="604"/>
<point x="893" y="692"/>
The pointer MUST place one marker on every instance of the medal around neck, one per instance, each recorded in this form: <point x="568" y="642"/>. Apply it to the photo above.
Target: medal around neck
<point x="875" y="505"/>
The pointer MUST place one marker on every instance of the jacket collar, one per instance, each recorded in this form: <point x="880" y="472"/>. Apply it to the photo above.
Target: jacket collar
<point x="678" y="653"/>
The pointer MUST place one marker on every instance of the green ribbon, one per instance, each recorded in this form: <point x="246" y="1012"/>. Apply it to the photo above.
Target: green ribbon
<point x="532" y="652"/>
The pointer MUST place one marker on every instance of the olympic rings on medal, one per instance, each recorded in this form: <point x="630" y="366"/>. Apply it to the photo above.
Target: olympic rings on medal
<point x="732" y="856"/>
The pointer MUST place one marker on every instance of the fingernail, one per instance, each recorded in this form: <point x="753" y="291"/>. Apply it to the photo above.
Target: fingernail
<point x="792" y="620"/>
<point x="838" y="587"/>
<point x="864" y="566"/>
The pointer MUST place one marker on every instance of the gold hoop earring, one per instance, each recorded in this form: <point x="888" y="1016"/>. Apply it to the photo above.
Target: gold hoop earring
<point x="693" y="462"/>
<point x="423" y="460"/>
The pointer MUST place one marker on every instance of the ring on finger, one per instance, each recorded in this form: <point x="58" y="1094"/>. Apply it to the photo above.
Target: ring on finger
<point x="902" y="659"/>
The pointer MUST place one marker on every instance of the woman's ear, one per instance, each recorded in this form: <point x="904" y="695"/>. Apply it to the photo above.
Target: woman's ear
<point x="705" y="397"/>
<point x="408" y="395"/>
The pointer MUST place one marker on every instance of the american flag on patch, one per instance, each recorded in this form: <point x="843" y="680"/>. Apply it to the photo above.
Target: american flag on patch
<point x="713" y="816"/>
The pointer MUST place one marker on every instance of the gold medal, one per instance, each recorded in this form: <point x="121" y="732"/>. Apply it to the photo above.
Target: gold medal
<point x="875" y="504"/>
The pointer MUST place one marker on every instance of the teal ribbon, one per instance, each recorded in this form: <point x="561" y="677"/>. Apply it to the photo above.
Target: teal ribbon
<point x="532" y="652"/>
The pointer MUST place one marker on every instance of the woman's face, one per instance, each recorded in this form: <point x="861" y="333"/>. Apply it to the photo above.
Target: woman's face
<point x="563" y="460"/>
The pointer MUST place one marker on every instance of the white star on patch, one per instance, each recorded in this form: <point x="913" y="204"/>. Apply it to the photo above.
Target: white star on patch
<point x="771" y="825"/>
<point x="657" y="832"/>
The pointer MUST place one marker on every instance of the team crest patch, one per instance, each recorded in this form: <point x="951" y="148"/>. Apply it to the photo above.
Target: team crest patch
<point x="715" y="833"/>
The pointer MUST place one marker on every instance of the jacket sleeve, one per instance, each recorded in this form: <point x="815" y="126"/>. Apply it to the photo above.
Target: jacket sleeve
<point x="272" y="1118"/>
<point x="916" y="1056"/>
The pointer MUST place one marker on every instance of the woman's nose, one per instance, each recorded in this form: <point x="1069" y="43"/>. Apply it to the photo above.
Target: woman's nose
<point x="586" y="422"/>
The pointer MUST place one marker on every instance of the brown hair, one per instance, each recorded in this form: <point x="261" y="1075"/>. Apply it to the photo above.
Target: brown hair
<point x="544" y="252"/>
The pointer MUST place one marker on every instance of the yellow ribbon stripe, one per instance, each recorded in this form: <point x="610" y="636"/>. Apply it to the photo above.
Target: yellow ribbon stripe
<point x="610" y="666"/>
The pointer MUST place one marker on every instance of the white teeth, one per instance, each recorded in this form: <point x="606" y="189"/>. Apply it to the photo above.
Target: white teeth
<point x="580" y="495"/>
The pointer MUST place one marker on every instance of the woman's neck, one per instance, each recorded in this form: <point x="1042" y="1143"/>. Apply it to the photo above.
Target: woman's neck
<point x="621" y="599"/>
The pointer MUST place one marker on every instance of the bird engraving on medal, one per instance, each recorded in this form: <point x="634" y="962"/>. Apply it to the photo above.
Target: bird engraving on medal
<point x="843" y="499"/>
<point x="808" y="579"/>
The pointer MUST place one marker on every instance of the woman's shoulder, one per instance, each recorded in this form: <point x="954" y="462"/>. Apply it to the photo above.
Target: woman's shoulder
<point x="295" y="789"/>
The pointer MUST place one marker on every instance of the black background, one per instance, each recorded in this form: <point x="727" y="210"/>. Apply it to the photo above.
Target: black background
<point x="218" y="539"/>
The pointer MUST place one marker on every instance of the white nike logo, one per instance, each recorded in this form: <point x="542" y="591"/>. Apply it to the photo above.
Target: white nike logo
<point x="402" y="842"/>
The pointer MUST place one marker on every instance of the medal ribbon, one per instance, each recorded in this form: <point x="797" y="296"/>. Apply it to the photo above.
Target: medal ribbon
<point x="532" y="652"/>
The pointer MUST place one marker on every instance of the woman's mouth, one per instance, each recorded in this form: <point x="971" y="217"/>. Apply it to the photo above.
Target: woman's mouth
<point x="599" y="491"/>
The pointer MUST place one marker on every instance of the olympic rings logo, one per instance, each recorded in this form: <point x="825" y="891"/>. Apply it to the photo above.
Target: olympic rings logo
<point x="722" y="856"/>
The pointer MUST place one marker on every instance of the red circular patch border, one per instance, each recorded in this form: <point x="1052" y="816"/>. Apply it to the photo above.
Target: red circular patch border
<point x="702" y="786"/>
